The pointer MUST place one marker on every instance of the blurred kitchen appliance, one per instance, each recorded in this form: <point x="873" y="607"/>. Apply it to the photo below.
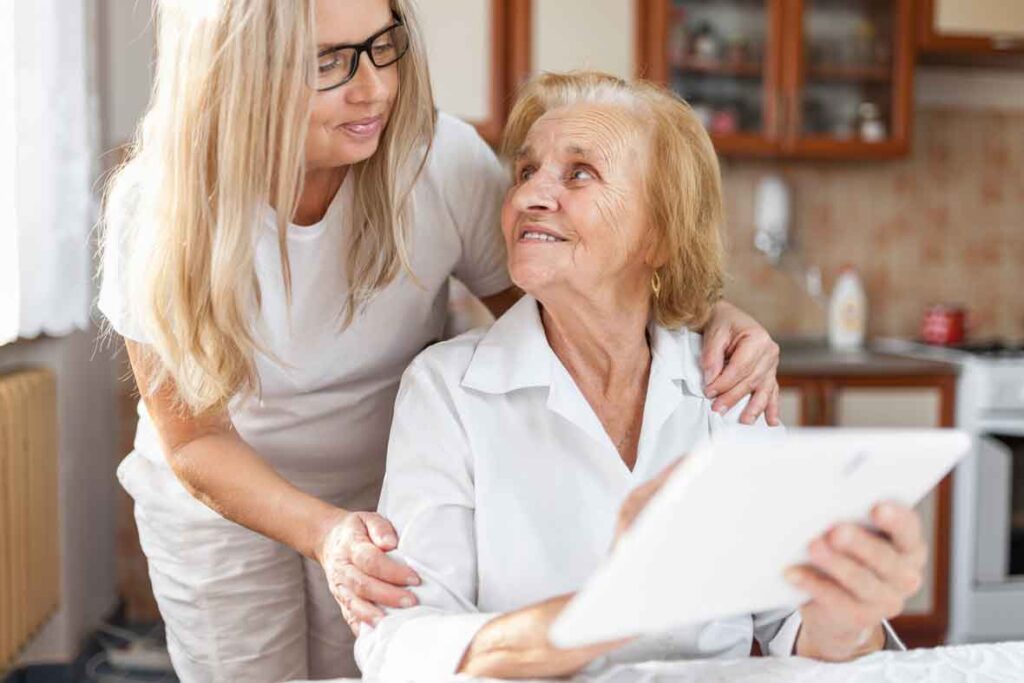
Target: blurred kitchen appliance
<point x="772" y="214"/>
<point x="987" y="561"/>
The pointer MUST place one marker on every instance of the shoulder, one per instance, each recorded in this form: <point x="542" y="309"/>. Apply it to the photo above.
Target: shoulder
<point x="445" y="364"/>
<point x="458" y="150"/>
<point x="681" y="348"/>
<point x="123" y="202"/>
<point x="453" y="134"/>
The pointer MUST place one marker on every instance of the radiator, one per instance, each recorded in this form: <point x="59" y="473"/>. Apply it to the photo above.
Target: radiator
<point x="29" y="526"/>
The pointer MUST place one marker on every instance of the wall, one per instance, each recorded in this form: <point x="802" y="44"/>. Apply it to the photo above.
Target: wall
<point x="87" y="376"/>
<point x="86" y="408"/>
<point x="127" y="59"/>
<point x="945" y="224"/>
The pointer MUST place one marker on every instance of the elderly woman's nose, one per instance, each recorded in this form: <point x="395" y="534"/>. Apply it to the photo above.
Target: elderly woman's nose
<point x="538" y="193"/>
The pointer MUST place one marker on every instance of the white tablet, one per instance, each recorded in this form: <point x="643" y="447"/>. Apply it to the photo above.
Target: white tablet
<point x="736" y="514"/>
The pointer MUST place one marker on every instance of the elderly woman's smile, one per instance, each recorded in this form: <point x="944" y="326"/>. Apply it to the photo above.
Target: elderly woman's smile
<point x="573" y="218"/>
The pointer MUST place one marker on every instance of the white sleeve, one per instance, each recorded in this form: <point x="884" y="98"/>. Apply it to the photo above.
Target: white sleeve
<point x="115" y="291"/>
<point x="429" y="497"/>
<point x="474" y="187"/>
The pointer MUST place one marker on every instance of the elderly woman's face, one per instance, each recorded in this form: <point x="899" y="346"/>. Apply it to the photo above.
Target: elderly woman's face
<point x="574" y="219"/>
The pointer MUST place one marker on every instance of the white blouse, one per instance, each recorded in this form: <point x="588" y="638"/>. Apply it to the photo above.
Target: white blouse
<point x="504" y="489"/>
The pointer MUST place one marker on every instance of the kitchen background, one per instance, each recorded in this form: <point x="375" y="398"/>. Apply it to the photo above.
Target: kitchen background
<point x="945" y="224"/>
<point x="922" y="191"/>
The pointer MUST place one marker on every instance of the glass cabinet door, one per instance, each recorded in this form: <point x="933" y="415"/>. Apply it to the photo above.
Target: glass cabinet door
<point x="853" y="76"/>
<point x="722" y="60"/>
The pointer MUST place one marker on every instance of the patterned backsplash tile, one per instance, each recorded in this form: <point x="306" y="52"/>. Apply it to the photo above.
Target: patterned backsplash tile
<point x="945" y="224"/>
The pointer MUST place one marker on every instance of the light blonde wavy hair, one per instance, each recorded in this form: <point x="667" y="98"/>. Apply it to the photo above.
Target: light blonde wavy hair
<point x="683" y="186"/>
<point x="224" y="136"/>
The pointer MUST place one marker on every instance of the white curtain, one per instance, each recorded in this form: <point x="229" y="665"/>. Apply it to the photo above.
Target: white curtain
<point x="47" y="155"/>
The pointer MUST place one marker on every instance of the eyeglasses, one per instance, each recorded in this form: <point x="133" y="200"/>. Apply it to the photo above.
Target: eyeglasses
<point x="337" y="65"/>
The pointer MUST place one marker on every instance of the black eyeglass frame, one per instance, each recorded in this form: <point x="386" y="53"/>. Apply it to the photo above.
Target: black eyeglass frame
<point x="360" y="48"/>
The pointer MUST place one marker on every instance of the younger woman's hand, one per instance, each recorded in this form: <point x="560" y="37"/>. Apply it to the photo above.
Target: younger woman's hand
<point x="740" y="358"/>
<point x="360" y="575"/>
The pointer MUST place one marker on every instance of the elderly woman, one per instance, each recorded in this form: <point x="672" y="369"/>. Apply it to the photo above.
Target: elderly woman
<point x="514" y="449"/>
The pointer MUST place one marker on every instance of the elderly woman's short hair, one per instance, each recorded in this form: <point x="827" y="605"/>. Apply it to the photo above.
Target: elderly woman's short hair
<point x="683" y="183"/>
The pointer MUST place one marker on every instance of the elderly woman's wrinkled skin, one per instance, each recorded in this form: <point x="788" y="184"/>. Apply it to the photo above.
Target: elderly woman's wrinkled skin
<point x="579" y="177"/>
<point x="578" y="241"/>
<point x="579" y="186"/>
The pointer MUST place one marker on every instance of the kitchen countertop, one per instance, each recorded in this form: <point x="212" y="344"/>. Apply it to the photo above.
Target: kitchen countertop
<point x="814" y="358"/>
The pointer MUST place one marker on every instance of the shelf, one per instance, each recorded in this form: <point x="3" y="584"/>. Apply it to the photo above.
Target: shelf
<point x="727" y="69"/>
<point x="854" y="73"/>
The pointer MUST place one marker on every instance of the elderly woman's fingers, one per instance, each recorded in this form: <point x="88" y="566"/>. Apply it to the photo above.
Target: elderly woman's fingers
<point x="904" y="528"/>
<point x="369" y="559"/>
<point x="380" y="531"/>
<point x="373" y="590"/>
<point x="858" y="580"/>
<point x="879" y="555"/>
<point x="826" y="592"/>
<point x="639" y="497"/>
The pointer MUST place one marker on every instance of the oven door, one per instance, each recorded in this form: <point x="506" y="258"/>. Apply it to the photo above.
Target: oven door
<point x="994" y="496"/>
<point x="1000" y="507"/>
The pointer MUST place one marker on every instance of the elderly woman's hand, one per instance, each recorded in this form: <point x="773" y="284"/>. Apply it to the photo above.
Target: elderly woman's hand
<point x="856" y="580"/>
<point x="638" y="499"/>
<point x="739" y="357"/>
<point x="359" y="574"/>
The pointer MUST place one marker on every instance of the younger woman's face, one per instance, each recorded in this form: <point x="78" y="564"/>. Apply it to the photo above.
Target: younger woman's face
<point x="347" y="122"/>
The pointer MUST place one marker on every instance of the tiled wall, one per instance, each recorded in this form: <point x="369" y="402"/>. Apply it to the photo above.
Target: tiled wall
<point x="946" y="224"/>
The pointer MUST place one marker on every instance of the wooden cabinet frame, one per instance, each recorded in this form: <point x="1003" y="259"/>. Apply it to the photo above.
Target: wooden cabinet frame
<point x="784" y="80"/>
<point x="653" y="20"/>
<point x="794" y="78"/>
<point x="928" y="40"/>
<point x="502" y="89"/>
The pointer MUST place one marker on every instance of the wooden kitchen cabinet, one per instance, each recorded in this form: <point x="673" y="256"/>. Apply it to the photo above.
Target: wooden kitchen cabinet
<point x="770" y="78"/>
<point x="787" y="78"/>
<point x="913" y="401"/>
<point x="467" y="50"/>
<point x="973" y="27"/>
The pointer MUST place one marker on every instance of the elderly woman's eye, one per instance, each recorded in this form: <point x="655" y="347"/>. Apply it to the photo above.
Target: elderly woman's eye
<point x="524" y="173"/>
<point x="581" y="173"/>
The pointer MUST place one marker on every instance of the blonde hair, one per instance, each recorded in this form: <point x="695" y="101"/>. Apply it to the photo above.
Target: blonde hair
<point x="225" y="135"/>
<point x="683" y="185"/>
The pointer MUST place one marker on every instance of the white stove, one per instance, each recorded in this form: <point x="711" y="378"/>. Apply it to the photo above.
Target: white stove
<point x="987" y="572"/>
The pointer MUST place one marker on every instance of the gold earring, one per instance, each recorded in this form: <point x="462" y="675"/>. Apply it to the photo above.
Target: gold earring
<point x="656" y="284"/>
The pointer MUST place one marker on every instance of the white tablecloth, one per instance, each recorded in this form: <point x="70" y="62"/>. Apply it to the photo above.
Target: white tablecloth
<point x="1002" y="663"/>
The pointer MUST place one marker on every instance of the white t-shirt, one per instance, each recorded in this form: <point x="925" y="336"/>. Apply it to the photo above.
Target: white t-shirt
<point x="324" y="412"/>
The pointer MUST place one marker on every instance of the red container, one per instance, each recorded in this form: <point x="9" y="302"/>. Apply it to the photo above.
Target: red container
<point x="944" y="324"/>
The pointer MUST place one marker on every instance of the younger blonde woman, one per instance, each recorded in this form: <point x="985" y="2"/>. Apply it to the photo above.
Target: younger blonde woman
<point x="276" y="252"/>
